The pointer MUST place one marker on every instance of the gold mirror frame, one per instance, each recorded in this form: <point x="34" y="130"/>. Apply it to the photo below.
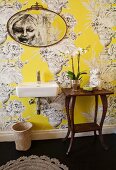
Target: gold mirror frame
<point x="24" y="28"/>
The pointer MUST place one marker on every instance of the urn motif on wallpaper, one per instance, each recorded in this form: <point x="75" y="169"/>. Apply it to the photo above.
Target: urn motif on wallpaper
<point x="103" y="67"/>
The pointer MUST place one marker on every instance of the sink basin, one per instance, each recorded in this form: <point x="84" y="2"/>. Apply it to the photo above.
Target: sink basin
<point x="33" y="89"/>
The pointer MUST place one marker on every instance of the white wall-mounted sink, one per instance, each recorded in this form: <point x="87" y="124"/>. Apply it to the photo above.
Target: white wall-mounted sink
<point x="33" y="89"/>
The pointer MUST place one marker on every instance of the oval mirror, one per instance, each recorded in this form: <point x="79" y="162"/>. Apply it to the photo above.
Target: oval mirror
<point x="37" y="27"/>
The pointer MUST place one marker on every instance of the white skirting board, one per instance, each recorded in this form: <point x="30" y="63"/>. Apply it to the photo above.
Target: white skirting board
<point x="53" y="134"/>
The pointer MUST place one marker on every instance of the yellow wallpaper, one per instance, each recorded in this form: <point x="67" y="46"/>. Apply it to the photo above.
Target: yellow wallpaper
<point x="35" y="63"/>
<point x="88" y="37"/>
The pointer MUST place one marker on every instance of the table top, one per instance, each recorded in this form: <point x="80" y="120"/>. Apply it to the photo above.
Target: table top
<point x="81" y="92"/>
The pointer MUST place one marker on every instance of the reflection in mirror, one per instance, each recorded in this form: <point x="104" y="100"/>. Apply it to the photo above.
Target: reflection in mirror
<point x="37" y="27"/>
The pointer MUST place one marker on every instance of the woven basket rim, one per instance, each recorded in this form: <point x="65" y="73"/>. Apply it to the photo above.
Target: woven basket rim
<point x="22" y="123"/>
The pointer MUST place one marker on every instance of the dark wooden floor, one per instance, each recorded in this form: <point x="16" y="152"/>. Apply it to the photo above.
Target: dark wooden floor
<point x="85" y="155"/>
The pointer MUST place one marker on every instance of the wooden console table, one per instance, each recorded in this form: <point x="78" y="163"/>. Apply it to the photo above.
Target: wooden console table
<point x="70" y="98"/>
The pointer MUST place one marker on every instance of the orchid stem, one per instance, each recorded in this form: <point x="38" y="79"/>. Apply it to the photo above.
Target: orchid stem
<point x="78" y="62"/>
<point x="72" y="66"/>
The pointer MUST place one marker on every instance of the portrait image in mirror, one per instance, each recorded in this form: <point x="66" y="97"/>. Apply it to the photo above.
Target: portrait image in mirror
<point x="34" y="29"/>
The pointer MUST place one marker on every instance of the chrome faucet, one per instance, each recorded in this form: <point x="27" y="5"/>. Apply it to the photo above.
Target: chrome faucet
<point x="38" y="76"/>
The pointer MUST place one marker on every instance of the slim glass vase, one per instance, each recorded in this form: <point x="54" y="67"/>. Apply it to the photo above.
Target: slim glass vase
<point x="75" y="84"/>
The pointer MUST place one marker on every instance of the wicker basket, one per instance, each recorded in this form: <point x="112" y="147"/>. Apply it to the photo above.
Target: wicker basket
<point x="22" y="135"/>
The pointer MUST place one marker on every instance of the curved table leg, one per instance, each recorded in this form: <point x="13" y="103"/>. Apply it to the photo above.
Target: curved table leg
<point x="73" y="99"/>
<point x="67" y="102"/>
<point x="95" y="117"/>
<point x="102" y="140"/>
<point x="95" y="135"/>
<point x="105" y="105"/>
<point x="71" y="142"/>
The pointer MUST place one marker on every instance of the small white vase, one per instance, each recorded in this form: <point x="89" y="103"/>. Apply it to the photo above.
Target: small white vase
<point x="95" y="80"/>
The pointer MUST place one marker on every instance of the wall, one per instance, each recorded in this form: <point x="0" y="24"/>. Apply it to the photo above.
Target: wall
<point x="19" y="63"/>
